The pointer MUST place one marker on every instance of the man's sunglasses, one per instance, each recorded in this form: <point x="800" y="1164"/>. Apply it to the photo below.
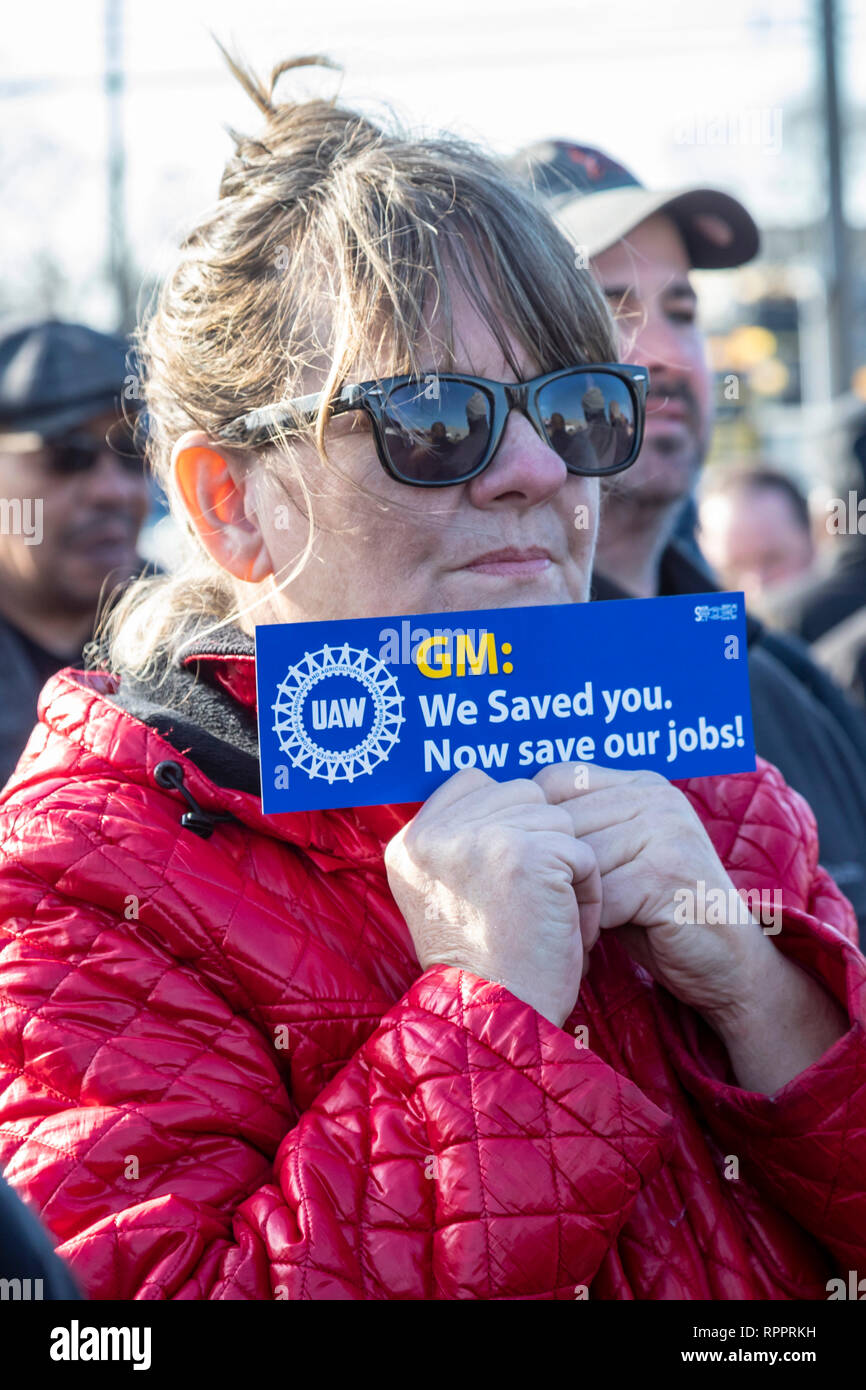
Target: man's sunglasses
<point x="77" y="452"/>
<point x="444" y="428"/>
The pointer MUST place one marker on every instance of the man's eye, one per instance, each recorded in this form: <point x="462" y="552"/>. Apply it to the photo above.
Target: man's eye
<point x="682" y="315"/>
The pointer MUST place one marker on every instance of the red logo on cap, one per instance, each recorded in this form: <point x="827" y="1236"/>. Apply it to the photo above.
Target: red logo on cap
<point x="587" y="161"/>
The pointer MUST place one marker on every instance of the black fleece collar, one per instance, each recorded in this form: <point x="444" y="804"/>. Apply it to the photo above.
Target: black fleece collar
<point x="184" y="704"/>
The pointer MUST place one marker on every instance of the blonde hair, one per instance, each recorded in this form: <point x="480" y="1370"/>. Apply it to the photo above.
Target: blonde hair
<point x="328" y="239"/>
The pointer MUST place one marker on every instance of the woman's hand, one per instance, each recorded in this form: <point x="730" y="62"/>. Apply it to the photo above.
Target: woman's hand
<point x="490" y="877"/>
<point x="649" y="843"/>
<point x="773" y="1018"/>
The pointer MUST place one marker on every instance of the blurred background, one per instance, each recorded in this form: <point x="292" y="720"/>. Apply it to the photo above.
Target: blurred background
<point x="113" y="116"/>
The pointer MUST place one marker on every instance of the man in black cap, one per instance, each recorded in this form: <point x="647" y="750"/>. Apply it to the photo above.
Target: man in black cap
<point x="73" y="497"/>
<point x="642" y="245"/>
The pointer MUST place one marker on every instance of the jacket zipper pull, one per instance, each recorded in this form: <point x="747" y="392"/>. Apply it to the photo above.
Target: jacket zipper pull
<point x="203" y="823"/>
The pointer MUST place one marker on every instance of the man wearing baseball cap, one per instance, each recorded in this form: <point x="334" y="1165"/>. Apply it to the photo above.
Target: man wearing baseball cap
<point x="73" y="497"/>
<point x="641" y="244"/>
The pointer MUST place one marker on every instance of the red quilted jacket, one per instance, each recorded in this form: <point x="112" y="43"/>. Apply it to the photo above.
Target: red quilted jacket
<point x="223" y="1074"/>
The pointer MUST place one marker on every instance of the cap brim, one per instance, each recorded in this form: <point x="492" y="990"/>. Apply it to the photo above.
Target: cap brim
<point x="717" y="230"/>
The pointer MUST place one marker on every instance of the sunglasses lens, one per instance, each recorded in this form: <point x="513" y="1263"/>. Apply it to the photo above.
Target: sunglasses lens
<point x="78" y="453"/>
<point x="436" y="430"/>
<point x="589" y="419"/>
<point x="72" y="458"/>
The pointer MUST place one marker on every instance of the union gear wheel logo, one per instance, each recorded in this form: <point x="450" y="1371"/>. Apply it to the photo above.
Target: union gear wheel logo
<point x="304" y="696"/>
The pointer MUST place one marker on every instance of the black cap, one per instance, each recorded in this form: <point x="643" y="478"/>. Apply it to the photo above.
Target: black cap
<point x="55" y="376"/>
<point x="597" y="202"/>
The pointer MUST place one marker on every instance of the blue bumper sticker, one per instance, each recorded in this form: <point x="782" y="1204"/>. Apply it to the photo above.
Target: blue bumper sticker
<point x="370" y="711"/>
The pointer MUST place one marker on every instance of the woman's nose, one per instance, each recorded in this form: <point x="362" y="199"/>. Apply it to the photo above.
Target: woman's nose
<point x="524" y="471"/>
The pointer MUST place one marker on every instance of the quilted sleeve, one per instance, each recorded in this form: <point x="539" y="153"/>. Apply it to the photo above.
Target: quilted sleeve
<point x="466" y="1149"/>
<point x="469" y="1151"/>
<point x="805" y="1146"/>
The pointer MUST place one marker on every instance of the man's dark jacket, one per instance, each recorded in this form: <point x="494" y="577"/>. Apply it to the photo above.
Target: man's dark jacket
<point x="28" y="1265"/>
<point x="803" y="725"/>
<point x="20" y="684"/>
<point x="809" y="607"/>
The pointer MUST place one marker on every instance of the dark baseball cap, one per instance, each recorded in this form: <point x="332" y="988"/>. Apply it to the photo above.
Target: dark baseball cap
<point x="597" y="202"/>
<point x="54" y="376"/>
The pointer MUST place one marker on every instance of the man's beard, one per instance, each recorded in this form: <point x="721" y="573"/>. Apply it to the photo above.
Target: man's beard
<point x="664" y="474"/>
<point x="670" y="459"/>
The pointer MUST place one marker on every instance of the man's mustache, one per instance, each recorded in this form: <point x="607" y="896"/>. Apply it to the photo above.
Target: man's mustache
<point x="679" y="392"/>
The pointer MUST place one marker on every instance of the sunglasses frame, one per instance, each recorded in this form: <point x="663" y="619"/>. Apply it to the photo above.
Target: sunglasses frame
<point x="504" y="396"/>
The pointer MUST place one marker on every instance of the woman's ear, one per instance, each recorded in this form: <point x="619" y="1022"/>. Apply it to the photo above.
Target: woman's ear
<point x="219" y="508"/>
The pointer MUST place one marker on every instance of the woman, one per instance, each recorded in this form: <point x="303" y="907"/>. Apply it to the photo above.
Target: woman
<point x="342" y="1054"/>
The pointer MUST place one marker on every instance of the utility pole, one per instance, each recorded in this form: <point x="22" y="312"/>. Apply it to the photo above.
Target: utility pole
<point x="115" y="81"/>
<point x="840" y="290"/>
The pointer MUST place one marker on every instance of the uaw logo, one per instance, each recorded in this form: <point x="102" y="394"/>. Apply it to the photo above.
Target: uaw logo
<point x="338" y="713"/>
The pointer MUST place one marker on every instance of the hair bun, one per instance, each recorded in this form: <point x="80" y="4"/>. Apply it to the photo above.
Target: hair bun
<point x="263" y="93"/>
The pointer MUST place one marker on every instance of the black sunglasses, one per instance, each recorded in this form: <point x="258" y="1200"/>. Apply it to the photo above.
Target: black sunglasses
<point x="444" y="428"/>
<point x="77" y="451"/>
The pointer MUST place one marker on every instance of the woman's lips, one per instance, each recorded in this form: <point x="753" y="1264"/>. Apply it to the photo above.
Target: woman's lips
<point x="514" y="563"/>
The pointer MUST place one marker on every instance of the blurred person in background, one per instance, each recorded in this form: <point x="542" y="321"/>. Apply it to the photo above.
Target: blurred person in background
<point x="811" y="609"/>
<point x="754" y="529"/>
<point x="642" y="246"/>
<point x="73" y="497"/>
<point x="829" y="612"/>
<point x="842" y="652"/>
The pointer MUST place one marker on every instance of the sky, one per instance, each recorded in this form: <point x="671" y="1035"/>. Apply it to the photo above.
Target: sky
<point x="682" y="91"/>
